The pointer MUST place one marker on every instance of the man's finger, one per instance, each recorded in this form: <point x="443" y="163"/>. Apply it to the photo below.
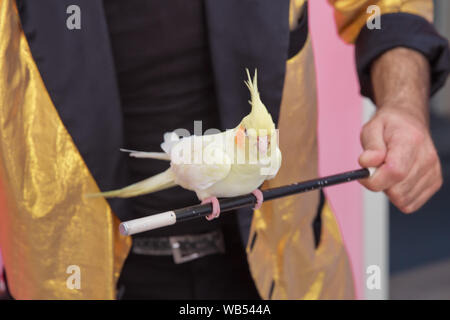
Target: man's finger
<point x="372" y="135"/>
<point x="381" y="179"/>
<point x="430" y="182"/>
<point x="400" y="157"/>
<point x="409" y="188"/>
<point x="373" y="144"/>
<point x="423" y="197"/>
<point x="404" y="193"/>
<point x="398" y="163"/>
<point x="371" y="158"/>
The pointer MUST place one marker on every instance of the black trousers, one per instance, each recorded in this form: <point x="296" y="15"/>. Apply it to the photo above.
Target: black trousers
<point x="217" y="276"/>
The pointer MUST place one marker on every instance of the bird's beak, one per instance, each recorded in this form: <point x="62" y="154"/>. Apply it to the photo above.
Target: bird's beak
<point x="263" y="144"/>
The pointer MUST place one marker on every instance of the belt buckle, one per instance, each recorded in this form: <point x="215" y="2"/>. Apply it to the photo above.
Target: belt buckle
<point x="205" y="244"/>
<point x="178" y="257"/>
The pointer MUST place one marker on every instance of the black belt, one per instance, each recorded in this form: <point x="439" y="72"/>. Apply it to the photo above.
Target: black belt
<point x="182" y="248"/>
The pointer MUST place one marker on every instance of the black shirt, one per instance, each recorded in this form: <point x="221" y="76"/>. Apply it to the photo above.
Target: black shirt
<point x="165" y="82"/>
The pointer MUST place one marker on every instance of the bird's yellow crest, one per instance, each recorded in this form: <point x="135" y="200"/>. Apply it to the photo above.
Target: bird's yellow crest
<point x="259" y="119"/>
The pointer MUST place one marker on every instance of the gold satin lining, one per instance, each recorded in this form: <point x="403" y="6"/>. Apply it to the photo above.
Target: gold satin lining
<point x="49" y="225"/>
<point x="351" y="15"/>
<point x="295" y="11"/>
<point x="284" y="250"/>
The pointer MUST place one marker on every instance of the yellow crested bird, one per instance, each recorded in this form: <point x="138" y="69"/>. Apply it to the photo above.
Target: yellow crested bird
<point x="226" y="164"/>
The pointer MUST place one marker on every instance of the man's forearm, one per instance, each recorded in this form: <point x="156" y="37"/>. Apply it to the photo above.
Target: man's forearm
<point x="401" y="79"/>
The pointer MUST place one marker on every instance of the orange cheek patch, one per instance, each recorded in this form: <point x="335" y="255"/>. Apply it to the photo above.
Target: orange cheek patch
<point x="239" y="137"/>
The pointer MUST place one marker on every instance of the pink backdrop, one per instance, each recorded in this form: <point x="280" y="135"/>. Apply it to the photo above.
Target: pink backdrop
<point x="340" y="114"/>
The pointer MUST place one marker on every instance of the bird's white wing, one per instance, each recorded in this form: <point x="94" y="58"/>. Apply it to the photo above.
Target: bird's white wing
<point x="275" y="164"/>
<point x="206" y="164"/>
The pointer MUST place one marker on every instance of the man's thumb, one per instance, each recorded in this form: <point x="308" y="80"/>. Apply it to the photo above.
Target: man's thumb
<point x="372" y="140"/>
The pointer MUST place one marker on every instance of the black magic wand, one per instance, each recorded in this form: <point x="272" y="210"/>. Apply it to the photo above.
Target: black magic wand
<point x="227" y="204"/>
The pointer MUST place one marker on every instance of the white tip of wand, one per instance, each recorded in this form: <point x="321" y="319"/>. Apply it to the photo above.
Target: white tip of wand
<point x="131" y="227"/>
<point x="123" y="229"/>
<point x="371" y="171"/>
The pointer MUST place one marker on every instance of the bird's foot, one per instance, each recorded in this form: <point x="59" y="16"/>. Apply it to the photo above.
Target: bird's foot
<point x="215" y="207"/>
<point x="259" y="198"/>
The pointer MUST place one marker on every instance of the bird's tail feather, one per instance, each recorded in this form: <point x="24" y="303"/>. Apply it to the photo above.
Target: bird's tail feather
<point x="163" y="180"/>
<point x="149" y="155"/>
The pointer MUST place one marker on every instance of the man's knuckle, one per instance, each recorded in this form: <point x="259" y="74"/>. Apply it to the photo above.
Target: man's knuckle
<point x="402" y="202"/>
<point x="431" y="158"/>
<point x="400" y="198"/>
<point x="396" y="196"/>
<point x="364" y="129"/>
<point x="365" y="133"/>
<point x="376" y="184"/>
<point x="437" y="185"/>
<point x="372" y="187"/>
<point x="440" y="183"/>
<point x="408" y="209"/>
<point x="398" y="172"/>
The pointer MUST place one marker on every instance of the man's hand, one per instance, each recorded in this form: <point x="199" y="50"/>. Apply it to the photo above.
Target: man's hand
<point x="397" y="139"/>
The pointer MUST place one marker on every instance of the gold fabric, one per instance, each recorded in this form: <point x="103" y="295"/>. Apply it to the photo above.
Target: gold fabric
<point x="295" y="11"/>
<point x="284" y="250"/>
<point x="352" y="15"/>
<point x="49" y="225"/>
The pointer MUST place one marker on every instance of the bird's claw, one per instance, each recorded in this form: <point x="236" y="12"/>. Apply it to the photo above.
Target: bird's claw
<point x="259" y="198"/>
<point x="215" y="207"/>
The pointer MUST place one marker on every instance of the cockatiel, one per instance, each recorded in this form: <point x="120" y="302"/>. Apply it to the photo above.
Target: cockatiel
<point x="226" y="164"/>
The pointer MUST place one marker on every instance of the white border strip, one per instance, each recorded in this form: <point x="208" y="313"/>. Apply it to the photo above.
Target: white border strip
<point x="376" y="233"/>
